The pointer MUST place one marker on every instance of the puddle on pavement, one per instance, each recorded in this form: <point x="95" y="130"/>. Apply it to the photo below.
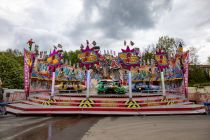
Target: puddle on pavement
<point x="63" y="128"/>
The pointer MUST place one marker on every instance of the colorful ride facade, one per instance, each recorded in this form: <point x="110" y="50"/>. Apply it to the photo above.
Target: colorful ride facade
<point x="105" y="69"/>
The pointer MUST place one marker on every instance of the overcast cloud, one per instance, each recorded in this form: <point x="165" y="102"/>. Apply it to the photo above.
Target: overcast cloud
<point x="108" y="22"/>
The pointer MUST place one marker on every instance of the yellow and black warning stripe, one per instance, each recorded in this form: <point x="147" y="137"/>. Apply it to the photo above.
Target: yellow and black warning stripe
<point x="165" y="100"/>
<point x="132" y="104"/>
<point x="168" y="101"/>
<point x="52" y="100"/>
<point x="86" y="103"/>
<point x="48" y="102"/>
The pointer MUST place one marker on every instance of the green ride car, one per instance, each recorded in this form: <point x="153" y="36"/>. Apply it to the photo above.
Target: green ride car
<point x="110" y="87"/>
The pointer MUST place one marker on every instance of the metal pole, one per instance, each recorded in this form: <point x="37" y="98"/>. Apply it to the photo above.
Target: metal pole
<point x="130" y="85"/>
<point x="53" y="85"/>
<point x="88" y="84"/>
<point x="163" y="83"/>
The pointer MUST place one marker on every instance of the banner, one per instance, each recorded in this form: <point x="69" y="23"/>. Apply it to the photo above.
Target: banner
<point x="29" y="59"/>
<point x="26" y="70"/>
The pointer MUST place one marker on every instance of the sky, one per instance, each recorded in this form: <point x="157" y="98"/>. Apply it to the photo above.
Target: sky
<point x="108" y="22"/>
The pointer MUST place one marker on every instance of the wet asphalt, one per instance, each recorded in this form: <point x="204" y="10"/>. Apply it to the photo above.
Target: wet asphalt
<point x="89" y="127"/>
<point x="45" y="128"/>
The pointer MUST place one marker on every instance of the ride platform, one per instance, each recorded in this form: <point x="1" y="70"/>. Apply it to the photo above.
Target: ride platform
<point x="142" y="104"/>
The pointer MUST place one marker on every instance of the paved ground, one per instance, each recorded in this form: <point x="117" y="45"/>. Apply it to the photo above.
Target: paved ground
<point x="105" y="128"/>
<point x="151" y="128"/>
<point x="45" y="128"/>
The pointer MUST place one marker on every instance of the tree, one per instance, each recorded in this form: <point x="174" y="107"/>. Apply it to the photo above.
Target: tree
<point x="193" y="56"/>
<point x="208" y="61"/>
<point x="197" y="75"/>
<point x="71" y="57"/>
<point x="66" y="58"/>
<point x="11" y="68"/>
<point x="169" y="44"/>
<point x="148" y="55"/>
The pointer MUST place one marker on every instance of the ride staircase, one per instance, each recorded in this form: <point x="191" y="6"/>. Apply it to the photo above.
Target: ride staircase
<point x="105" y="105"/>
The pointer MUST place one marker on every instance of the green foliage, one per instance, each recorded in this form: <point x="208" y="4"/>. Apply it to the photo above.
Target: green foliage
<point x="11" y="68"/>
<point x="197" y="75"/>
<point x="169" y="43"/>
<point x="148" y="57"/>
<point x="71" y="57"/>
<point x="12" y="65"/>
<point x="193" y="56"/>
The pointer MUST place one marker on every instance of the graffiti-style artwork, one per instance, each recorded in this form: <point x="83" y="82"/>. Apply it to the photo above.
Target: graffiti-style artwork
<point x="41" y="70"/>
<point x="152" y="72"/>
<point x="63" y="73"/>
<point x="109" y="66"/>
<point x="144" y="73"/>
